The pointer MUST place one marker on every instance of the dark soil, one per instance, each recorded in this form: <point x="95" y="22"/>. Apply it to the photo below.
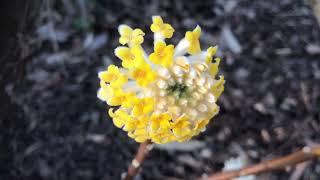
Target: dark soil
<point x="270" y="106"/>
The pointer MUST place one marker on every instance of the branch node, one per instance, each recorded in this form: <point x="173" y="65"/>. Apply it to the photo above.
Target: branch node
<point x="149" y="147"/>
<point x="141" y="154"/>
<point x="135" y="163"/>
<point x="306" y="150"/>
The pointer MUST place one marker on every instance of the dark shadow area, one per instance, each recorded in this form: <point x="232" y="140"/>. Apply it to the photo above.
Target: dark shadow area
<point x="54" y="127"/>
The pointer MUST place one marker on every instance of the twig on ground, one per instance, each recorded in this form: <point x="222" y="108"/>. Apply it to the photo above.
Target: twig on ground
<point x="143" y="151"/>
<point x="306" y="154"/>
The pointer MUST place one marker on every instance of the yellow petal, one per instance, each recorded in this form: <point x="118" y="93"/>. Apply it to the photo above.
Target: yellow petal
<point x="218" y="88"/>
<point x="118" y="122"/>
<point x="211" y="51"/>
<point x="154" y="28"/>
<point x="124" y="30"/>
<point x="193" y="38"/>
<point x="124" y="40"/>
<point x="197" y="31"/>
<point x="168" y="31"/>
<point x="214" y="67"/>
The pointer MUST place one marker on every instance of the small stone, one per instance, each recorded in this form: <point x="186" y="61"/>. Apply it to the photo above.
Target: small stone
<point x="313" y="49"/>
<point x="265" y="136"/>
<point x="260" y="108"/>
<point x="206" y="153"/>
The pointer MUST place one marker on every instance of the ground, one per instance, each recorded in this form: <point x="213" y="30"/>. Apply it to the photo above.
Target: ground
<point x="270" y="107"/>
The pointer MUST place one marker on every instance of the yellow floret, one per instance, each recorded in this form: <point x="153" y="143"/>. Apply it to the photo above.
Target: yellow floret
<point x="163" y="54"/>
<point x="130" y="57"/>
<point x="162" y="137"/>
<point x="113" y="76"/>
<point x="201" y="124"/>
<point x="193" y="38"/>
<point x="211" y="51"/>
<point x="143" y="74"/>
<point x="214" y="67"/>
<point x="130" y="36"/>
<point x="125" y="99"/>
<point x="130" y="125"/>
<point x="218" y="88"/>
<point x="158" y="26"/>
<point x="105" y="92"/>
<point x="143" y="106"/>
<point x="120" y="117"/>
<point x="181" y="127"/>
<point x="140" y="135"/>
<point x="160" y="121"/>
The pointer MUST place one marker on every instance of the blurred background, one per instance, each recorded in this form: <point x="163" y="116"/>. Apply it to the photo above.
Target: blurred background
<point x="53" y="127"/>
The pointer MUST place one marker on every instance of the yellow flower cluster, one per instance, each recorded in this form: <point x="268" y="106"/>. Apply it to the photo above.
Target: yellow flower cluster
<point x="164" y="97"/>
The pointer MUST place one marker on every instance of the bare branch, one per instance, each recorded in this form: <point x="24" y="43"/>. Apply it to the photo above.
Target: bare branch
<point x="306" y="154"/>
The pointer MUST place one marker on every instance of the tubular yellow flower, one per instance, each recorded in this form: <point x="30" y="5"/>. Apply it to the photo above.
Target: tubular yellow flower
<point x="120" y="117"/>
<point x="163" y="55"/>
<point x="165" y="96"/>
<point x="181" y="127"/>
<point x="113" y="76"/>
<point x="126" y="99"/>
<point x="143" y="106"/>
<point x="140" y="135"/>
<point x="214" y="67"/>
<point x="162" y="137"/>
<point x="200" y="125"/>
<point x="130" y="36"/>
<point x="193" y="38"/>
<point x="211" y="51"/>
<point x="143" y="74"/>
<point x="160" y="121"/>
<point x="129" y="56"/>
<point x="105" y="92"/>
<point x="158" y="26"/>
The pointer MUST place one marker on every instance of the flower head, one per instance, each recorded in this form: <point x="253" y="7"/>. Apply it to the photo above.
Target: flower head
<point x="166" y="96"/>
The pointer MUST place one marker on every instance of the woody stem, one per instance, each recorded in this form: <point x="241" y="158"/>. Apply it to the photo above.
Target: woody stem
<point x="140" y="156"/>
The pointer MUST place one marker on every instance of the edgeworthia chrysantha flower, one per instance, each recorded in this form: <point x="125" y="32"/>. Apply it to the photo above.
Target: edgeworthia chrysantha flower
<point x="169" y="95"/>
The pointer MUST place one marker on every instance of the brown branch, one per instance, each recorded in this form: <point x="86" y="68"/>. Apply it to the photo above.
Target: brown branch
<point x="143" y="151"/>
<point x="306" y="154"/>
